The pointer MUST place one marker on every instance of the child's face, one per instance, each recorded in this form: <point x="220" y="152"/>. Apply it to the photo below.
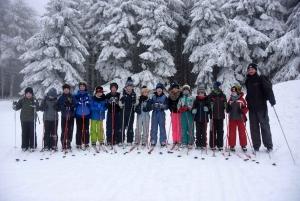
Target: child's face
<point x="186" y="91"/>
<point x="129" y="88"/>
<point x="145" y="93"/>
<point x="66" y="90"/>
<point x="201" y="94"/>
<point x="113" y="89"/>
<point x="28" y="95"/>
<point x="159" y="91"/>
<point x="82" y="87"/>
<point x="51" y="97"/>
<point x="175" y="90"/>
<point x="99" y="93"/>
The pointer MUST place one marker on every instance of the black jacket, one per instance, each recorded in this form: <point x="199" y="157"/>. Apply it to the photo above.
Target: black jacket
<point x="218" y="106"/>
<point x="109" y="105"/>
<point x="259" y="90"/>
<point x="199" y="104"/>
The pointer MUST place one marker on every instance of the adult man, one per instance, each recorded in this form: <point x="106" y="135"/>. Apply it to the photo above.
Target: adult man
<point x="259" y="90"/>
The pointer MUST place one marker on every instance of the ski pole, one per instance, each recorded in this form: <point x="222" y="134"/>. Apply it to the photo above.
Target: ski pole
<point x="284" y="134"/>
<point x="15" y="129"/>
<point x="213" y="132"/>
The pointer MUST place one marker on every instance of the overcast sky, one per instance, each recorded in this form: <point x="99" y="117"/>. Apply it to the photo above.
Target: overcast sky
<point x="38" y="5"/>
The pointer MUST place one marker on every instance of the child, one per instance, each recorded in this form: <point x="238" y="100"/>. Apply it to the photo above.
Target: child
<point x="184" y="106"/>
<point x="200" y="110"/>
<point x="173" y="98"/>
<point x="159" y="104"/>
<point x="218" y="103"/>
<point x="83" y="100"/>
<point x="50" y="107"/>
<point x="97" y="116"/>
<point x="67" y="104"/>
<point x="143" y="118"/>
<point x="113" y="115"/>
<point x="127" y="103"/>
<point x="237" y="110"/>
<point x="28" y="105"/>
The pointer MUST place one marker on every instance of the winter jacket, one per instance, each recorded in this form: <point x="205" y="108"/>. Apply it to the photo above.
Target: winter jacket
<point x="234" y="108"/>
<point x="201" y="115"/>
<point x="218" y="100"/>
<point x="144" y="105"/>
<point x="98" y="107"/>
<point x="109" y="106"/>
<point x="185" y="100"/>
<point x="173" y="101"/>
<point x="84" y="108"/>
<point x="27" y="112"/>
<point x="161" y="99"/>
<point x="62" y="107"/>
<point x="259" y="90"/>
<point x="50" y="108"/>
<point x="130" y="102"/>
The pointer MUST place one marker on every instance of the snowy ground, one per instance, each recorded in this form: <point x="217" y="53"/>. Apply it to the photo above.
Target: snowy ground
<point x="133" y="176"/>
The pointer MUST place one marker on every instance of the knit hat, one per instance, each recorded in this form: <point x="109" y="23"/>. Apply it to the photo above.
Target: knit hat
<point x="237" y="88"/>
<point x="64" y="86"/>
<point x="185" y="87"/>
<point x="201" y="89"/>
<point x="52" y="92"/>
<point x="84" y="84"/>
<point x="252" y="65"/>
<point x="174" y="85"/>
<point x="29" y="90"/>
<point x="113" y="84"/>
<point x="99" y="89"/>
<point x="129" y="82"/>
<point x="143" y="89"/>
<point x="217" y="85"/>
<point x="159" y="85"/>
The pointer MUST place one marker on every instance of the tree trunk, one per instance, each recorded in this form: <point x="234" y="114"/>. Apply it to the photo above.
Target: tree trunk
<point x="11" y="91"/>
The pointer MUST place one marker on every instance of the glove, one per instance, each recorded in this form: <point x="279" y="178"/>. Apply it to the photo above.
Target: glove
<point x="33" y="103"/>
<point x="112" y="100"/>
<point x="229" y="107"/>
<point x="194" y="111"/>
<point x="225" y="105"/>
<point x="162" y="106"/>
<point x="99" y="106"/>
<point x="138" y="111"/>
<point x="205" y="108"/>
<point x="68" y="102"/>
<point x="145" y="109"/>
<point x="211" y="105"/>
<point x="83" y="99"/>
<point x="123" y="99"/>
<point x="183" y="109"/>
<point x="240" y="111"/>
<point x="14" y="105"/>
<point x="272" y="102"/>
<point x="156" y="105"/>
<point x="133" y="100"/>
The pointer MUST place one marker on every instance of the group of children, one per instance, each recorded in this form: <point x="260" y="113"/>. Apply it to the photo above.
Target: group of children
<point x="89" y="111"/>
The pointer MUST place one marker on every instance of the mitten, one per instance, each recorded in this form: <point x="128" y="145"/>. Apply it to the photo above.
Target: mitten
<point x="145" y="109"/>
<point x="33" y="103"/>
<point x="133" y="100"/>
<point x="225" y="105"/>
<point x="211" y="105"/>
<point x="272" y="102"/>
<point x="162" y="106"/>
<point x="14" y="105"/>
<point x="205" y="108"/>
<point x="194" y="111"/>
<point x="123" y="99"/>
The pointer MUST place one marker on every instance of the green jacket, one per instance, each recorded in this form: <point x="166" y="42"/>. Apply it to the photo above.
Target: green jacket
<point x="27" y="112"/>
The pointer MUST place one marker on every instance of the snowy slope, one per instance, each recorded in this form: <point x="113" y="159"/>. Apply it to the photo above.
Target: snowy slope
<point x="133" y="176"/>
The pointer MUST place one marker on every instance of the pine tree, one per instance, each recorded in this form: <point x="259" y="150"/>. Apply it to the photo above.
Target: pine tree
<point x="19" y="24"/>
<point x="57" y="51"/>
<point x="284" y="53"/>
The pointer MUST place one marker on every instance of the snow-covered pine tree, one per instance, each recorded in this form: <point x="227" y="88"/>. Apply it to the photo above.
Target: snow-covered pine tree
<point x="284" y="53"/>
<point x="117" y="41"/>
<point x="19" y="24"/>
<point x="157" y="29"/>
<point x="206" y="20"/>
<point x="57" y="51"/>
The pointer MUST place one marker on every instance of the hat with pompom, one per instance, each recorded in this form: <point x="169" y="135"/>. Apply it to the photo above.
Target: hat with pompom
<point x="186" y="87"/>
<point x="129" y="82"/>
<point x="201" y="89"/>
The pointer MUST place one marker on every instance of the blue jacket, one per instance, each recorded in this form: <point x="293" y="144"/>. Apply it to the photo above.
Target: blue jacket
<point x="98" y="107"/>
<point x="159" y="99"/>
<point x="62" y="107"/>
<point x="85" y="106"/>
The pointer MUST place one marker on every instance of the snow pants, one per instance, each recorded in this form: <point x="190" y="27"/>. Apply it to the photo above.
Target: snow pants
<point x="28" y="135"/>
<point x="112" y="120"/>
<point x="67" y="127"/>
<point x="126" y="128"/>
<point x="97" y="131"/>
<point x="142" y="128"/>
<point x="201" y="128"/>
<point x="216" y="133"/>
<point x="259" y="123"/>
<point x="82" y="133"/>
<point x="158" y="119"/>
<point x="176" y="127"/>
<point x="233" y="125"/>
<point x="187" y="127"/>
<point x="50" y="134"/>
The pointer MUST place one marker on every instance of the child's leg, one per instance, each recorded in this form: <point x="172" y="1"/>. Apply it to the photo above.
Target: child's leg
<point x="184" y="127"/>
<point x="63" y="134"/>
<point x="94" y="130"/>
<point x="203" y="134"/>
<point x="138" y="129"/>
<point x="191" y="135"/>
<point x="32" y="135"/>
<point x="213" y="133"/>
<point x="55" y="136"/>
<point x="25" y="135"/>
<point x="242" y="133"/>
<point x="154" y="127"/>
<point x="100" y="131"/>
<point x="78" y="131"/>
<point x="220" y="132"/>
<point x="175" y="127"/>
<point x="109" y="127"/>
<point x="70" y="131"/>
<point x="146" y="125"/>
<point x="116" y="136"/>
<point x="162" y="128"/>
<point x="232" y="133"/>
<point x="86" y="138"/>
<point x="47" y="130"/>
<point x="130" y="128"/>
<point x="198" y="134"/>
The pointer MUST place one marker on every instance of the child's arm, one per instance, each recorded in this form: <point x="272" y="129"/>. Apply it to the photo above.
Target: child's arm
<point x="19" y="104"/>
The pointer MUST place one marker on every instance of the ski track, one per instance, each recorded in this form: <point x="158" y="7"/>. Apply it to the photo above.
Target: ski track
<point x="147" y="177"/>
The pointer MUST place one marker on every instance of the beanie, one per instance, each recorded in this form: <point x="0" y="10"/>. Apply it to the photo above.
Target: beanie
<point x="174" y="85"/>
<point x="29" y="90"/>
<point x="217" y="85"/>
<point x="185" y="87"/>
<point x="66" y="86"/>
<point x="52" y="92"/>
<point x="159" y="85"/>
<point x="252" y="65"/>
<point x="201" y="89"/>
<point x="129" y="82"/>
<point x="113" y="84"/>
<point x="237" y="88"/>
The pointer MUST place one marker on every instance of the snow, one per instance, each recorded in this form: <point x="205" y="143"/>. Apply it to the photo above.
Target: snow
<point x="133" y="176"/>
